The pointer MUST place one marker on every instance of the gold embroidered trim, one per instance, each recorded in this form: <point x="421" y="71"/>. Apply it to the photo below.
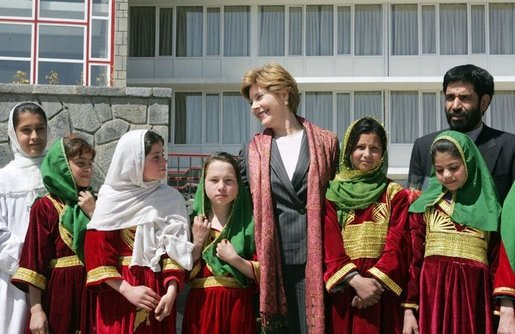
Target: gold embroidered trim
<point x="504" y="291"/>
<point x="101" y="273"/>
<point x="67" y="261"/>
<point x="456" y="245"/>
<point x="170" y="264"/>
<point x="409" y="305"/>
<point x="212" y="281"/>
<point x="31" y="277"/>
<point x="195" y="270"/>
<point x="365" y="240"/>
<point x="63" y="233"/>
<point x="386" y="280"/>
<point x="256" y="270"/>
<point x="337" y="276"/>
<point x="128" y="235"/>
<point x="142" y="315"/>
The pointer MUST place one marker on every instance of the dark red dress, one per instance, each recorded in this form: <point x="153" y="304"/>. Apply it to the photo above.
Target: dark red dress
<point x="48" y="263"/>
<point x="504" y="285"/>
<point x="218" y="304"/>
<point x="374" y="242"/>
<point x="107" y="255"/>
<point x="451" y="273"/>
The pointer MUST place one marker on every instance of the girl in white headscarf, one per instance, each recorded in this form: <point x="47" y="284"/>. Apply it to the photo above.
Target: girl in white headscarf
<point x="20" y="185"/>
<point x="137" y="241"/>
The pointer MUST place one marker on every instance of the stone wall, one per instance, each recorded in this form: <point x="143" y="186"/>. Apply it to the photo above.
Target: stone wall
<point x="99" y="115"/>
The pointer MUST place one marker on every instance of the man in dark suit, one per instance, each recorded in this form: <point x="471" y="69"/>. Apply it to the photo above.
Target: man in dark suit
<point x="468" y="91"/>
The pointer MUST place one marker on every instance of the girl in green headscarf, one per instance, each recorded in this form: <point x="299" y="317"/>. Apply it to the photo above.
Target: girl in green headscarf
<point x="51" y="263"/>
<point x="451" y="229"/>
<point x="222" y="281"/>
<point x="366" y="237"/>
<point x="504" y="287"/>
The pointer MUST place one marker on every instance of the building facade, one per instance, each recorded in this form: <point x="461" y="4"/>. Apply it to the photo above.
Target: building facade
<point x="351" y="58"/>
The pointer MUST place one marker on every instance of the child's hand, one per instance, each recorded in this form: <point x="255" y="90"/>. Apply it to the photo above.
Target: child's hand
<point x="368" y="290"/>
<point x="200" y="230"/>
<point x="225" y="251"/>
<point x="507" y="320"/>
<point x="165" y="306"/>
<point x="38" y="321"/>
<point x="141" y="296"/>
<point x="410" y="323"/>
<point x="87" y="202"/>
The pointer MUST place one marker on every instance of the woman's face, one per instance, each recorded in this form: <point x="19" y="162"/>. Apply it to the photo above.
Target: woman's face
<point x="450" y="171"/>
<point x="82" y="169"/>
<point x="221" y="184"/>
<point x="367" y="153"/>
<point x="155" y="164"/>
<point x="269" y="108"/>
<point x="31" y="132"/>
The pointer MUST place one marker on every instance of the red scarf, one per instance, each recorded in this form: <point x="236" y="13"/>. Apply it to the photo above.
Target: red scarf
<point x="323" y="157"/>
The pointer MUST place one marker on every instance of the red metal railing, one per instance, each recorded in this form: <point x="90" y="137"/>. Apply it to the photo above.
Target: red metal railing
<point x="185" y="171"/>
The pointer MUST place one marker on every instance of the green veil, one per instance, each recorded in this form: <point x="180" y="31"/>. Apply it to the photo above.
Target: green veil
<point x="475" y="204"/>
<point x="239" y="230"/>
<point x="58" y="180"/>
<point x="508" y="226"/>
<point x="352" y="188"/>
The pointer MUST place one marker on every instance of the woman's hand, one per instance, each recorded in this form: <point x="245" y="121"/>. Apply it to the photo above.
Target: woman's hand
<point x="141" y="296"/>
<point x="38" y="320"/>
<point x="410" y="323"/>
<point x="165" y="306"/>
<point x="225" y="251"/>
<point x="87" y="202"/>
<point x="368" y="290"/>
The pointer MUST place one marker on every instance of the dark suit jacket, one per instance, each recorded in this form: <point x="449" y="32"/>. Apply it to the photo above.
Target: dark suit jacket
<point x="497" y="148"/>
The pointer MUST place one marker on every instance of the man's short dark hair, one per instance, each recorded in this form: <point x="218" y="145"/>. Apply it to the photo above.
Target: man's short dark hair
<point x="480" y="79"/>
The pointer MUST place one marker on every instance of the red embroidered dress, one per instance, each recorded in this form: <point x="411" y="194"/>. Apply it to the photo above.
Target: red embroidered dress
<point x="374" y="242"/>
<point x="108" y="255"/>
<point x="48" y="263"/>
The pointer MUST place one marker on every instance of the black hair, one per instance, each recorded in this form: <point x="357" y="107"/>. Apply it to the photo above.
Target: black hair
<point x="480" y="79"/>
<point x="444" y="146"/>
<point x="365" y="125"/>
<point x="224" y="157"/>
<point x="30" y="107"/>
<point x="152" y="138"/>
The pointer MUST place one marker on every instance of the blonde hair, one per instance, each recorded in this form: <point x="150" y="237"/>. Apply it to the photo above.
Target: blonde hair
<point x="273" y="78"/>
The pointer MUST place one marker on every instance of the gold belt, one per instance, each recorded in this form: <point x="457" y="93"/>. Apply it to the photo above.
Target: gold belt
<point x="456" y="245"/>
<point x="67" y="261"/>
<point x="209" y="282"/>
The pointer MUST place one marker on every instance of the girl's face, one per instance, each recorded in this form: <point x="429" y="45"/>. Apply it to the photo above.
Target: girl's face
<point x="367" y="153"/>
<point x="31" y="132"/>
<point x="82" y="169"/>
<point x="267" y="107"/>
<point x="155" y="164"/>
<point x="450" y="171"/>
<point x="221" y="185"/>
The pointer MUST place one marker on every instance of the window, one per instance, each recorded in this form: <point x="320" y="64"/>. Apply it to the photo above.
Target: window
<point x="368" y="30"/>
<point x="344" y="30"/>
<point x="235" y="120"/>
<point x="502" y="114"/>
<point x="404" y="117"/>
<point x="453" y="29"/>
<point x="295" y="31"/>
<point x="343" y="113"/>
<point x="18" y="8"/>
<point x="64" y="9"/>
<point x="428" y="30"/>
<point x="271" y="30"/>
<point x="404" y="33"/>
<point x="165" y="31"/>
<point x="212" y="134"/>
<point x="188" y="118"/>
<point x="319" y="30"/>
<point x="236" y="31"/>
<point x="15" y="40"/>
<point x="142" y="21"/>
<point x="319" y="108"/>
<point x="368" y="104"/>
<point x="502" y="28"/>
<point x="430" y="110"/>
<point x="189" y="31"/>
<point x="478" y="29"/>
<point x="213" y="32"/>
